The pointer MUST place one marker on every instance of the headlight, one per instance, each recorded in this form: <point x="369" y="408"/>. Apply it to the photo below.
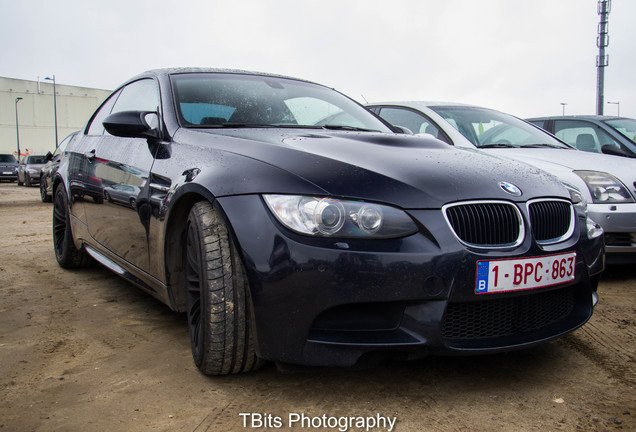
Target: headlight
<point x="604" y="187"/>
<point x="32" y="171"/>
<point x="328" y="217"/>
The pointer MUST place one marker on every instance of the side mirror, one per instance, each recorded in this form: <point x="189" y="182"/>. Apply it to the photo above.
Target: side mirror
<point x="614" y="150"/>
<point x="49" y="156"/>
<point x="132" y="124"/>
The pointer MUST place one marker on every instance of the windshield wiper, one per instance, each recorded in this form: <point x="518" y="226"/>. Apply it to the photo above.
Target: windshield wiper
<point x="544" y="145"/>
<point x="498" y="145"/>
<point x="348" y="128"/>
<point x="233" y="125"/>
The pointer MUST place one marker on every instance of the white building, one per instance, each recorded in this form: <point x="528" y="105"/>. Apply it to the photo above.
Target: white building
<point x="36" y="116"/>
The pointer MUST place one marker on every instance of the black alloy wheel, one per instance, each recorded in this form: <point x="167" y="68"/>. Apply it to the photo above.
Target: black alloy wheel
<point x="66" y="254"/>
<point x="43" y="195"/>
<point x="218" y="303"/>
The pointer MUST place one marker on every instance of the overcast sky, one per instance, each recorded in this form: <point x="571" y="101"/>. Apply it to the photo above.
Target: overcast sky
<point x="523" y="57"/>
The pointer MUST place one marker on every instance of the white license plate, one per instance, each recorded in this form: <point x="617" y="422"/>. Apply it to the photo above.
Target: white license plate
<point x="524" y="273"/>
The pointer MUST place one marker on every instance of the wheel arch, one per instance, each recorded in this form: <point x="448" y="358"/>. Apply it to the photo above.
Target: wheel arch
<point x="175" y="238"/>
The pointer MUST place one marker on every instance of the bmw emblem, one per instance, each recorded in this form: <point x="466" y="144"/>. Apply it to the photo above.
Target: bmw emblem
<point x="510" y="188"/>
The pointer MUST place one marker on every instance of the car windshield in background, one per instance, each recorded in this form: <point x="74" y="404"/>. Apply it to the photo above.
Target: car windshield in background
<point x="486" y="128"/>
<point x="626" y="127"/>
<point x="6" y="158"/>
<point x="36" y="160"/>
<point x="229" y="100"/>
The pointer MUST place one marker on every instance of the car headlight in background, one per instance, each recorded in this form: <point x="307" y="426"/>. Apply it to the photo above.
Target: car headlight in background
<point x="605" y="188"/>
<point x="329" y="217"/>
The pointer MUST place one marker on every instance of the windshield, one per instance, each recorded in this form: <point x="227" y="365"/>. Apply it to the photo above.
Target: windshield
<point x="488" y="128"/>
<point x="7" y="158"/>
<point x="626" y="127"/>
<point x="217" y="100"/>
<point x="36" y="160"/>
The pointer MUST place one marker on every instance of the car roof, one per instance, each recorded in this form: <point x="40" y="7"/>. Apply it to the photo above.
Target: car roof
<point x="163" y="72"/>
<point x="577" y="117"/>
<point x="425" y="104"/>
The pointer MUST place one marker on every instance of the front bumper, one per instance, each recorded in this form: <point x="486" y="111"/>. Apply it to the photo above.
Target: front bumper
<point x="34" y="176"/>
<point x="619" y="223"/>
<point x="8" y="174"/>
<point x="320" y="301"/>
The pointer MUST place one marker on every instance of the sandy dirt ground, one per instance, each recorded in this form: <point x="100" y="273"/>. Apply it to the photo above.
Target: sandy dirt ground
<point x="86" y="351"/>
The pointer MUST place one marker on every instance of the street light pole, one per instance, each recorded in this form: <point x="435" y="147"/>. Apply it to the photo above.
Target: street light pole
<point x="17" y="128"/>
<point x="564" y="104"/>
<point x="618" y="107"/>
<point x="54" y="107"/>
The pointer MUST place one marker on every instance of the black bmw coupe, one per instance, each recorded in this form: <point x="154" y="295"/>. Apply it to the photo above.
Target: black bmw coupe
<point x="290" y="224"/>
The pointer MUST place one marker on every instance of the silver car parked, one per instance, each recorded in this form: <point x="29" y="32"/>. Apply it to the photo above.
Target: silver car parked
<point x="608" y="183"/>
<point x="29" y="169"/>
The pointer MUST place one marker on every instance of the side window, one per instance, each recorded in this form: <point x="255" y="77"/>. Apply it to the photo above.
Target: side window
<point x="583" y="135"/>
<point x="417" y="123"/>
<point x="96" y="127"/>
<point x="140" y="95"/>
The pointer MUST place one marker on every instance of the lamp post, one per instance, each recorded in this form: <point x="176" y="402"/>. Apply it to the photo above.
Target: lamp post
<point x="17" y="128"/>
<point x="54" y="106"/>
<point x="618" y="107"/>
<point x="563" y="104"/>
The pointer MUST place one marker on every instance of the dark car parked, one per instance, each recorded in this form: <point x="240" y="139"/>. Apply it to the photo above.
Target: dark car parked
<point x="285" y="236"/>
<point x="29" y="169"/>
<point x="8" y="167"/>
<point x="50" y="168"/>
<point x="591" y="133"/>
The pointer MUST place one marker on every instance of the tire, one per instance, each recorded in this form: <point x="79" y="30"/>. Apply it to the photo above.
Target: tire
<point x="66" y="254"/>
<point x="19" y="182"/>
<point x="218" y="303"/>
<point x="27" y="180"/>
<point x="43" y="195"/>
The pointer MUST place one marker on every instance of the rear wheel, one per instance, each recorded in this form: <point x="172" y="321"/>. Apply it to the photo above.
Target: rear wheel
<point x="218" y="303"/>
<point x="67" y="255"/>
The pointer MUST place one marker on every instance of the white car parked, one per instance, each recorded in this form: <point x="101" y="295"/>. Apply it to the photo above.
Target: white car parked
<point x="608" y="183"/>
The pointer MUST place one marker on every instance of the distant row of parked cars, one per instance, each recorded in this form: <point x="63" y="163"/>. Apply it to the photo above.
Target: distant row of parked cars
<point x="26" y="172"/>
<point x="291" y="224"/>
<point x="34" y="169"/>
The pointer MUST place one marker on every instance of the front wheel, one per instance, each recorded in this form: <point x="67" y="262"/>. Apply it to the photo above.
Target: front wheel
<point x="218" y="302"/>
<point x="67" y="255"/>
<point x="43" y="195"/>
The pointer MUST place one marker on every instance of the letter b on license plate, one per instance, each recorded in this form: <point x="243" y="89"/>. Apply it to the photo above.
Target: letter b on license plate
<point x="524" y="273"/>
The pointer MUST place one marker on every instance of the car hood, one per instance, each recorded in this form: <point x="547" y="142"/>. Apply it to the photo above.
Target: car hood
<point x="562" y="163"/>
<point x="408" y="171"/>
<point x="34" y="166"/>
